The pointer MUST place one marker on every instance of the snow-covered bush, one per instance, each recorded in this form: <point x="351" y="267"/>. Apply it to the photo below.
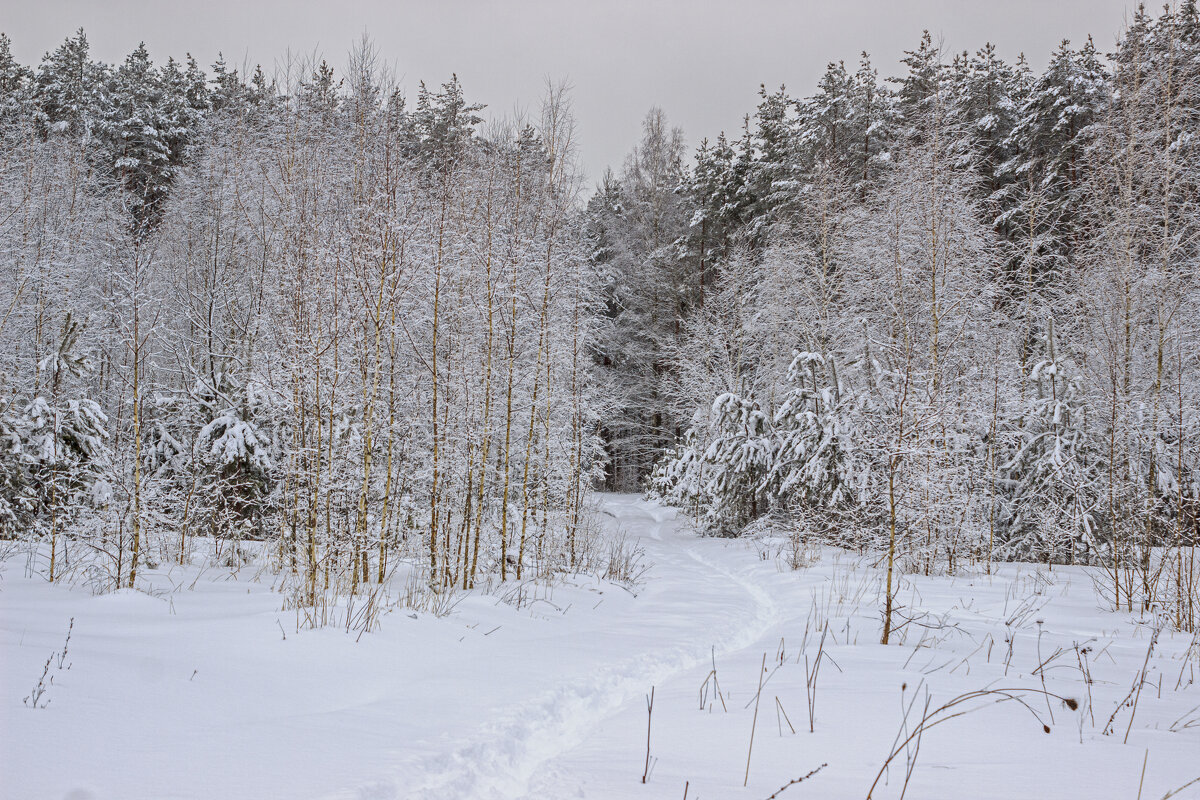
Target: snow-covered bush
<point x="53" y="454"/>
<point x="818" y="463"/>
<point x="719" y="470"/>
<point x="235" y="465"/>
<point x="18" y="500"/>
<point x="738" y="462"/>
<point x="1050" y="482"/>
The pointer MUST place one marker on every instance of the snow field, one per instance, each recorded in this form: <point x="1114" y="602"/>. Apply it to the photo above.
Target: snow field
<point x="195" y="693"/>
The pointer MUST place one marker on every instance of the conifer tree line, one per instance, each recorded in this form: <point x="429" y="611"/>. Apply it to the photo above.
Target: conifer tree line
<point x="950" y="315"/>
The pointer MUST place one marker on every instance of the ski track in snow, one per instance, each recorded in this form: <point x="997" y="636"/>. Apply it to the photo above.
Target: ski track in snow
<point x="499" y="761"/>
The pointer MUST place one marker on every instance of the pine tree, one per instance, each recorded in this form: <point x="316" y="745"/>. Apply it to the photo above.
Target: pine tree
<point x="920" y="92"/>
<point x="18" y="497"/>
<point x="775" y="174"/>
<point x="826" y="120"/>
<point x="849" y="126"/>
<point x="70" y="89"/>
<point x="227" y="89"/>
<point x="1042" y="191"/>
<point x="135" y="137"/>
<point x="260" y="91"/>
<point x="237" y="461"/>
<point x="985" y="103"/>
<point x="718" y="191"/>
<point x="320" y="92"/>
<point x="64" y="439"/>
<point x="185" y="100"/>
<point x="15" y="86"/>
<point x="876" y="125"/>
<point x="717" y="188"/>
<point x="719" y="469"/>
<point x="443" y="123"/>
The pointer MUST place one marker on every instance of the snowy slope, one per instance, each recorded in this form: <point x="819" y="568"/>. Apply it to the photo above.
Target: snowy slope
<point x="196" y="693"/>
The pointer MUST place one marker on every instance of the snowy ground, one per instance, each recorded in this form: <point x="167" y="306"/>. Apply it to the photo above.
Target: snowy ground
<point x="196" y="693"/>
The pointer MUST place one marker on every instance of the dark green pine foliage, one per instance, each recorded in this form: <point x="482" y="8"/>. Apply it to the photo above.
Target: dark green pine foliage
<point x="985" y="104"/>
<point x="718" y="191"/>
<point x="826" y="120"/>
<point x="227" y="89"/>
<point x="442" y="124"/>
<point x="1043" y="182"/>
<point x="134" y="136"/>
<point x="134" y="121"/>
<point x="639" y="224"/>
<point x="185" y="101"/>
<point x="1050" y="482"/>
<point x="69" y="89"/>
<point x="16" y="82"/>
<point x="919" y="95"/>
<point x="320" y="93"/>
<point x="775" y="174"/>
<point x="849" y="126"/>
<point x="261" y="92"/>
<point x="1156" y="114"/>
<point x="875" y="129"/>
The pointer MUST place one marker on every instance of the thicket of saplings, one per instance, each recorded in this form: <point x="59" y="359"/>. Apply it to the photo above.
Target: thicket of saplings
<point x="298" y="321"/>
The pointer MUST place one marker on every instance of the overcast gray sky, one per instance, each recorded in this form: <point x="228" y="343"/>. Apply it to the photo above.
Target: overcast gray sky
<point x="702" y="61"/>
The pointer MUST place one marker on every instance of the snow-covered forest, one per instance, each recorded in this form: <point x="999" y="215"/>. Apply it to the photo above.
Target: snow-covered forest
<point x="369" y="356"/>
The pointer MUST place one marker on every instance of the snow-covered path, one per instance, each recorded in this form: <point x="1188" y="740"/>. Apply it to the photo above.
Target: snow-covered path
<point x="195" y="693"/>
<point x="691" y="607"/>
